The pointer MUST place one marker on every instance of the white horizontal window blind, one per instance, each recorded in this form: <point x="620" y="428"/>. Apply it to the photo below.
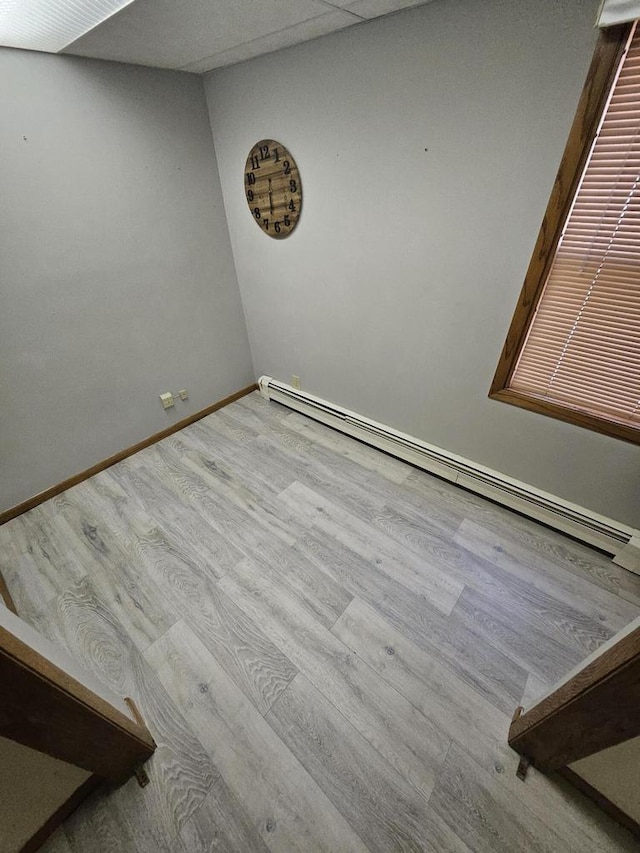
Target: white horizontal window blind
<point x="582" y="349"/>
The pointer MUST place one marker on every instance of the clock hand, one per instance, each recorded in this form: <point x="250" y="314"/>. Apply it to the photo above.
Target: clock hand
<point x="270" y="197"/>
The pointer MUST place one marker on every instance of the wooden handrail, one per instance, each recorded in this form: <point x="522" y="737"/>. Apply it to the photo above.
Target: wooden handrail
<point x="45" y="708"/>
<point x="595" y="708"/>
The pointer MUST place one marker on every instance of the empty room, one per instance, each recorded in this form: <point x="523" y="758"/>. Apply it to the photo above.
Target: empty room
<point x="320" y="382"/>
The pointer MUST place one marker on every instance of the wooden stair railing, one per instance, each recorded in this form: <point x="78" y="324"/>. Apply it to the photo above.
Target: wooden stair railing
<point x="596" y="707"/>
<point x="51" y="705"/>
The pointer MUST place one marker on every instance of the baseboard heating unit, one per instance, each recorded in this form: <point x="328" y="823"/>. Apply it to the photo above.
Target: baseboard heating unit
<point x="604" y="533"/>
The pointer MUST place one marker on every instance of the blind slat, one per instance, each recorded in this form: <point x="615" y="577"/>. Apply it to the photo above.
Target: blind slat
<point x="583" y="345"/>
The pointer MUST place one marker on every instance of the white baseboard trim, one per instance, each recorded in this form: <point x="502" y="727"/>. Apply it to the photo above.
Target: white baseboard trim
<point x="629" y="556"/>
<point x="604" y="533"/>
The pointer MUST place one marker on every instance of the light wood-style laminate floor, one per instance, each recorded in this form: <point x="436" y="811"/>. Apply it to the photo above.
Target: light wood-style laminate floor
<point x="327" y="644"/>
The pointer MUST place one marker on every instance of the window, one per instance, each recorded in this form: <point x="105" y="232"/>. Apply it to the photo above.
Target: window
<point x="573" y="348"/>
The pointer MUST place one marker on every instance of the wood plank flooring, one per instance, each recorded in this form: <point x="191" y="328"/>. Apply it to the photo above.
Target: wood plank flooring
<point x="326" y="643"/>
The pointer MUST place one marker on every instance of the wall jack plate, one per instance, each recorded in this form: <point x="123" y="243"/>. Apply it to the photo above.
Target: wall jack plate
<point x="167" y="400"/>
<point x="184" y="394"/>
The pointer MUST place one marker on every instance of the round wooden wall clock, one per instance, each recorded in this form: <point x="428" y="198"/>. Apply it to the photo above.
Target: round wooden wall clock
<point x="273" y="188"/>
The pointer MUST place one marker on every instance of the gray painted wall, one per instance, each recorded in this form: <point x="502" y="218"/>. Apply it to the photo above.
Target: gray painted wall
<point x="394" y="294"/>
<point x="117" y="279"/>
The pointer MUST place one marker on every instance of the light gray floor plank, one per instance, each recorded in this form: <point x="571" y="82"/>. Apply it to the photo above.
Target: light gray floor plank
<point x="274" y="410"/>
<point x="287" y="808"/>
<point x="471" y="722"/>
<point x="95" y="827"/>
<point x="583" y="625"/>
<point x="483" y="814"/>
<point x="181" y="772"/>
<point x="274" y="572"/>
<point x="239" y="460"/>
<point x="401" y="564"/>
<point x="47" y="563"/>
<point x="485" y="571"/>
<point x="436" y="691"/>
<point x="337" y="471"/>
<point x="534" y="688"/>
<point x="568" y="555"/>
<point x="368" y="496"/>
<point x="25" y="590"/>
<point x="367" y="457"/>
<point x="107" y="557"/>
<point x="229" y="423"/>
<point x="128" y="803"/>
<point x="586" y="627"/>
<point x="191" y="531"/>
<point x="313" y="439"/>
<point x="235" y="525"/>
<point x="261" y="509"/>
<point x="35" y="566"/>
<point x="402" y="735"/>
<point x="491" y="815"/>
<point x="248" y="500"/>
<point x="573" y="589"/>
<point x="221" y="824"/>
<point x="363" y="492"/>
<point x="517" y="632"/>
<point x="383" y="808"/>
<point x="345" y="448"/>
<point x="484" y="667"/>
<point x="532" y="539"/>
<point x="257" y="666"/>
<point x="316" y="592"/>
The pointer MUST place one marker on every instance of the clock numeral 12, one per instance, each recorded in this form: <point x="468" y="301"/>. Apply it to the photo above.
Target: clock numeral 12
<point x="264" y="152"/>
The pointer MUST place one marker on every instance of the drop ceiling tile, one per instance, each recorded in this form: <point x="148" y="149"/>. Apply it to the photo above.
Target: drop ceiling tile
<point x="49" y="25"/>
<point x="296" y="34"/>
<point x="170" y="34"/>
<point x="375" y="8"/>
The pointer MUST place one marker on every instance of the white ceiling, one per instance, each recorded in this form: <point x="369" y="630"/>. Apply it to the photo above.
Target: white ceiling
<point x="199" y="35"/>
<point x="49" y="25"/>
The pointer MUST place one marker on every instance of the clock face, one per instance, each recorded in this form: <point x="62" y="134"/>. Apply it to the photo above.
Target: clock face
<point x="272" y="188"/>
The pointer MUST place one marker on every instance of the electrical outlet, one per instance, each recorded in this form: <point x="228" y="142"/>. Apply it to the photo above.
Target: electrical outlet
<point x="295" y="382"/>
<point x="184" y="394"/>
<point x="167" y="400"/>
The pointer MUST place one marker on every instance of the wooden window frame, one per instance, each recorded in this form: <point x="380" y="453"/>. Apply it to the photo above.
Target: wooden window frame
<point x="600" y="78"/>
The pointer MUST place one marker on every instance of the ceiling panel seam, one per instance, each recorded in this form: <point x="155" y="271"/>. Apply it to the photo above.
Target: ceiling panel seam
<point x="207" y="57"/>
